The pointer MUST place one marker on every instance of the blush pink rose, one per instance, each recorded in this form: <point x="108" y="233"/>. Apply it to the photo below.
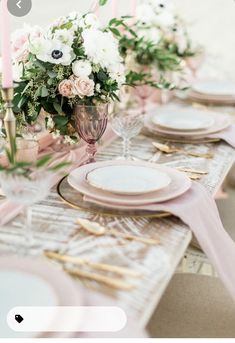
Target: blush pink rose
<point x="84" y="87"/>
<point x="21" y="41"/>
<point x="66" y="88"/>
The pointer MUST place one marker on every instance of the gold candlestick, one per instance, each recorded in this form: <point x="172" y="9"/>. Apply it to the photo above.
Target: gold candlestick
<point x="9" y="120"/>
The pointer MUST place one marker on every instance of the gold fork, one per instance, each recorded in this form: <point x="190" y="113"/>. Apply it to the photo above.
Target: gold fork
<point x="169" y="150"/>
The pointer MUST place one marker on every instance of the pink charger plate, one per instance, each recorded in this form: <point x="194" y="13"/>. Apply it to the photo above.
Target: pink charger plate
<point x="65" y="290"/>
<point x="180" y="183"/>
<point x="221" y="123"/>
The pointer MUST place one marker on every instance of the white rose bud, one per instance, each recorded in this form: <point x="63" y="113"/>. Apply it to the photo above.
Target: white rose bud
<point x="82" y="69"/>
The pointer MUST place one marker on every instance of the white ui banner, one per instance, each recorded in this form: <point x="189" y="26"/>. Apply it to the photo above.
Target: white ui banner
<point x="67" y="319"/>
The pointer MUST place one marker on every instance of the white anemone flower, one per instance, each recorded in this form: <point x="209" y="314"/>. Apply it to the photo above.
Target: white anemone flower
<point x="56" y="52"/>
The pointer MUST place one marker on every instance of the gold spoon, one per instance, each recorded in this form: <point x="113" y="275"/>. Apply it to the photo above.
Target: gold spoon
<point x="169" y="150"/>
<point x="98" y="230"/>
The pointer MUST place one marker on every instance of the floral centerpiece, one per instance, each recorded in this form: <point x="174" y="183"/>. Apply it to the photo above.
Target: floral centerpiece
<point x="74" y="61"/>
<point x="156" y="41"/>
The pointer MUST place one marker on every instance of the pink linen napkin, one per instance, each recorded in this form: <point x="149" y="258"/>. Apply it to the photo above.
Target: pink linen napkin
<point x="8" y="211"/>
<point x="227" y="135"/>
<point x="198" y="210"/>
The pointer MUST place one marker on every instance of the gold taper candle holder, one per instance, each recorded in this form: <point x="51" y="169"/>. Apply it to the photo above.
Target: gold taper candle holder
<point x="9" y="119"/>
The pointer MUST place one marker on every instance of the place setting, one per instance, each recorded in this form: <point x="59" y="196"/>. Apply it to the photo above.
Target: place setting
<point x="209" y="92"/>
<point x="190" y="125"/>
<point x="118" y="187"/>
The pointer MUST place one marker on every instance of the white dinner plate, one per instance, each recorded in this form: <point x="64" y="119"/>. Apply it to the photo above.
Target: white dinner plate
<point x="32" y="282"/>
<point x="179" y="184"/>
<point x="215" y="88"/>
<point x="128" y="179"/>
<point x="184" y="120"/>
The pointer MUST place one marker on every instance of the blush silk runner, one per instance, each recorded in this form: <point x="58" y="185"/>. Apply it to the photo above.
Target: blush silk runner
<point x="197" y="209"/>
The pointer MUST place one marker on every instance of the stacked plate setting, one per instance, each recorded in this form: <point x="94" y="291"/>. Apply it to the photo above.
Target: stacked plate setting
<point x="186" y="123"/>
<point x="128" y="185"/>
<point x="217" y="92"/>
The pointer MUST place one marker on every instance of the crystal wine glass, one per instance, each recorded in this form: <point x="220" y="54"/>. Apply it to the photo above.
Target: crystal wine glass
<point x="26" y="190"/>
<point x="91" y="123"/>
<point x="127" y="124"/>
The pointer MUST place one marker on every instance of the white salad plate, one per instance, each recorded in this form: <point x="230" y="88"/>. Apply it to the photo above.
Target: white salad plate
<point x="184" y="120"/>
<point x="127" y="179"/>
<point x="215" y="88"/>
<point x="220" y="124"/>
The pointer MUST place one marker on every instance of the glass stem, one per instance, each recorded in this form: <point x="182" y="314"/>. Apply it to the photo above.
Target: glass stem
<point x="143" y="107"/>
<point x="126" y="148"/>
<point x="28" y="227"/>
<point x="91" y="151"/>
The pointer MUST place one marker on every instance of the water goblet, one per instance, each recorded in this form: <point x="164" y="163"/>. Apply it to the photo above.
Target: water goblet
<point x="26" y="190"/>
<point x="91" y="123"/>
<point x="127" y="124"/>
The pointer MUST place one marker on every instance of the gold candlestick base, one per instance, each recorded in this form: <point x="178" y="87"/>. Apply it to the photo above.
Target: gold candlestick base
<point x="9" y="119"/>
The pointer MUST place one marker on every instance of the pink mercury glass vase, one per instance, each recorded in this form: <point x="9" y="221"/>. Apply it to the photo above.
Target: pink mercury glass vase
<point x="91" y="123"/>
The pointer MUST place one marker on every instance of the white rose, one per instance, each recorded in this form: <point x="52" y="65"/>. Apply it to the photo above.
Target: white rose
<point x="65" y="36"/>
<point x="82" y="68"/>
<point x="101" y="48"/>
<point x="17" y="71"/>
<point x="39" y="46"/>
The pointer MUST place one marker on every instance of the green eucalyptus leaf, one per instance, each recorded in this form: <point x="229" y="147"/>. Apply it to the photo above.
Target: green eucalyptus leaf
<point x="103" y="2"/>
<point x="57" y="107"/>
<point x="43" y="161"/>
<point x="60" y="121"/>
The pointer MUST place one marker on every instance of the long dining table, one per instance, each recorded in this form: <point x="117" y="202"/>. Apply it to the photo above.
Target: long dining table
<point x="55" y="223"/>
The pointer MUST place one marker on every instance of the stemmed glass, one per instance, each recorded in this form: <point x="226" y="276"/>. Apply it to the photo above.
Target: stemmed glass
<point x="26" y="190"/>
<point x="127" y="124"/>
<point x="91" y="123"/>
<point x="144" y="92"/>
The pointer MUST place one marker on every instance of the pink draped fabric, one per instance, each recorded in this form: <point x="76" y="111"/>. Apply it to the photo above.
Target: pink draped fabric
<point x="198" y="210"/>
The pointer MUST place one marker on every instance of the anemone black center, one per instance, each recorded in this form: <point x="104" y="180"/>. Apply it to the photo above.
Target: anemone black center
<point x="56" y="54"/>
<point x="161" y="5"/>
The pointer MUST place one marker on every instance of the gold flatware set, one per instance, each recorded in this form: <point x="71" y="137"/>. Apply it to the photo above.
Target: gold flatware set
<point x="110" y="281"/>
